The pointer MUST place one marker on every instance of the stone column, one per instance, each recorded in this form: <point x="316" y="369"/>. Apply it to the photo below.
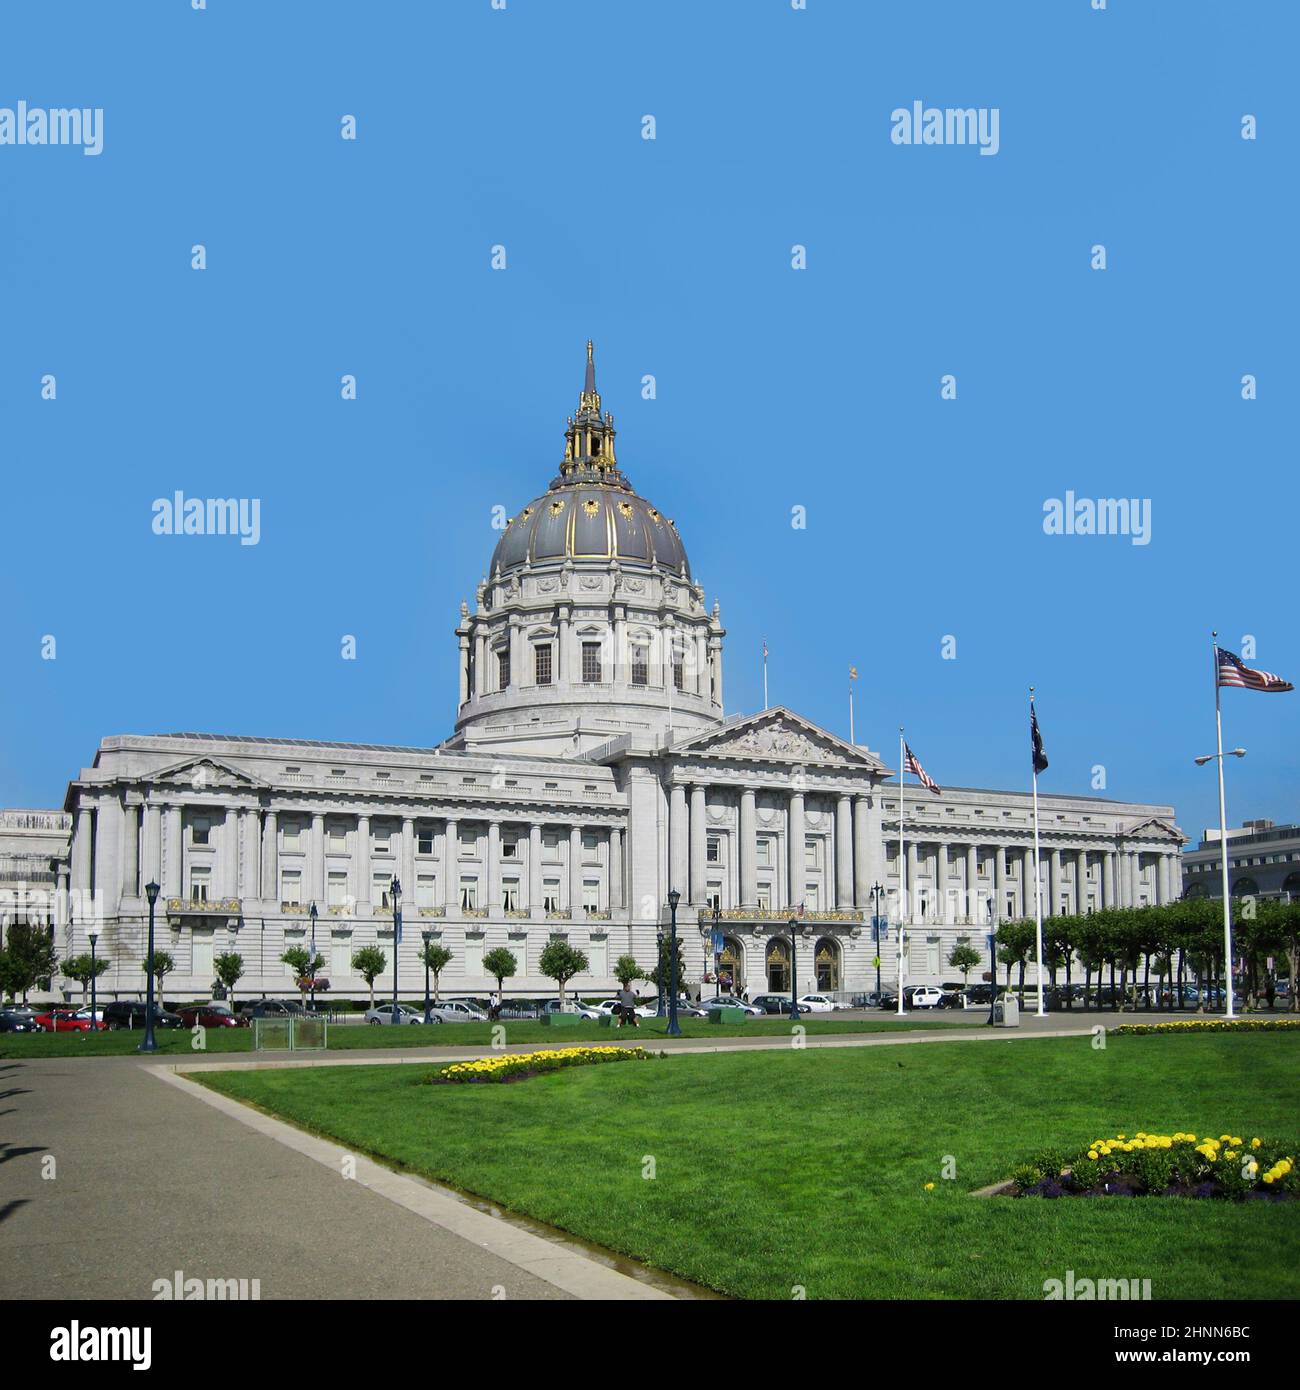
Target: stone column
<point x="494" y="868"/>
<point x="1054" y="883"/>
<point x="862" y="879"/>
<point x="795" y="836"/>
<point x="451" y="867"/>
<point x="152" y="866"/>
<point x="999" y="882"/>
<point x="271" y="858"/>
<point x="698" y="841"/>
<point x="130" y="885"/>
<point x="1028" y="891"/>
<point x="677" y="833"/>
<point x="701" y="684"/>
<point x="844" y="851"/>
<point x="973" y="914"/>
<point x="1081" y="882"/>
<point x="252" y="853"/>
<point x="408" y="862"/>
<point x="575" y="871"/>
<point x="748" y="848"/>
<point x="464" y="667"/>
<point x="480" y="660"/>
<point x="535" y="870"/>
<point x="562" y="647"/>
<point x="615" y="866"/>
<point x="362" y="862"/>
<point x="316" y="860"/>
<point x="941" y="880"/>
<point x="172" y="854"/>
<point x="108" y="840"/>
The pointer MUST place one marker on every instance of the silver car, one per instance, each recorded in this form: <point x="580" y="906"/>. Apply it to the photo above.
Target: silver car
<point x="456" y="1011"/>
<point x="384" y="1013"/>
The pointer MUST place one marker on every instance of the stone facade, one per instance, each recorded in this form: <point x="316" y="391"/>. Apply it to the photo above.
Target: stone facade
<point x="591" y="770"/>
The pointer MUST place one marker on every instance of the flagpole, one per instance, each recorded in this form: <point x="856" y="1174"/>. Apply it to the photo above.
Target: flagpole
<point x="902" y="867"/>
<point x="1223" y="832"/>
<point x="765" y="673"/>
<point x="852" y="740"/>
<point x="1038" y="882"/>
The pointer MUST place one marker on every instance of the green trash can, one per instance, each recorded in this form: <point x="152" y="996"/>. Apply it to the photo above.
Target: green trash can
<point x="727" y="1014"/>
<point x="562" y="1020"/>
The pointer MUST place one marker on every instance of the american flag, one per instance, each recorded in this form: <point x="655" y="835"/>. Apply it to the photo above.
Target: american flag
<point x="1233" y="671"/>
<point x="910" y="764"/>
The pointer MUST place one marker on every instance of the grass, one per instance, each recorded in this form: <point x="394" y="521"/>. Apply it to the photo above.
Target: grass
<point x="807" y="1168"/>
<point x="354" y="1036"/>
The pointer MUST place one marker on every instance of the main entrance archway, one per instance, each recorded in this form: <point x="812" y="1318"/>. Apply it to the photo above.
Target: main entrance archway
<point x="731" y="966"/>
<point x="826" y="960"/>
<point x="778" y="966"/>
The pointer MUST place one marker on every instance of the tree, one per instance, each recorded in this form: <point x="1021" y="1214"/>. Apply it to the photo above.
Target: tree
<point x="436" y="957"/>
<point x="501" y="964"/>
<point x="627" y="971"/>
<point x="370" y="963"/>
<point x="84" y="968"/>
<point x="965" y="958"/>
<point x="662" y="974"/>
<point x="304" y="966"/>
<point x="230" y="970"/>
<point x="561" y="962"/>
<point x="159" y="965"/>
<point x="28" y="958"/>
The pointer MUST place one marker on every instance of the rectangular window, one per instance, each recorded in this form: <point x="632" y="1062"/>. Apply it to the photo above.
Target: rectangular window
<point x="468" y="894"/>
<point x="382" y="839"/>
<point x="426" y="891"/>
<point x="424" y="841"/>
<point x="590" y="895"/>
<point x="542" y="664"/>
<point x="468" y="839"/>
<point x="510" y="894"/>
<point x="812" y="897"/>
<point x="714" y="851"/>
<point x="509" y="849"/>
<point x="200" y="831"/>
<point x="765" y="898"/>
<point x="679" y="671"/>
<point x="291" y="888"/>
<point x="590" y="849"/>
<point x="714" y="895"/>
<point x="336" y="889"/>
<point x="503" y="670"/>
<point x="640" y="665"/>
<point x="551" y="895"/>
<point x="763" y="850"/>
<point x="338" y="837"/>
<point x="474" y="955"/>
<point x="810" y="854"/>
<point x="380" y="895"/>
<point x="591" y="670"/>
<point x="290" y="833"/>
<point x="340" y="955"/>
<point x="598" y="956"/>
<point x="200" y="880"/>
<point x="201" y="963"/>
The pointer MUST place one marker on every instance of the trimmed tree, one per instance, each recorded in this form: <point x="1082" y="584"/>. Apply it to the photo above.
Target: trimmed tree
<point x="83" y="969"/>
<point x="304" y="966"/>
<point x="229" y="966"/>
<point x="627" y="972"/>
<point x="965" y="958"/>
<point x="28" y="958"/>
<point x="436" y="957"/>
<point x="561" y="962"/>
<point x="501" y="965"/>
<point x="370" y="963"/>
<point x="159" y="965"/>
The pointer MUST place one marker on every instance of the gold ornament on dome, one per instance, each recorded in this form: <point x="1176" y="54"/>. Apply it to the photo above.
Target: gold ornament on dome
<point x="557" y="507"/>
<point x="626" y="509"/>
<point x="525" y="514"/>
<point x="591" y="506"/>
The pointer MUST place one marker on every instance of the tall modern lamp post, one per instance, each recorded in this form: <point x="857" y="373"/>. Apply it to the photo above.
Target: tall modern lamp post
<point x="311" y="961"/>
<point x="426" y="936"/>
<point x="674" y="1028"/>
<point x="150" y="1043"/>
<point x="1223" y="846"/>
<point x="395" y="889"/>
<point x="877" y="889"/>
<point x="794" y="968"/>
<point x="94" y="1017"/>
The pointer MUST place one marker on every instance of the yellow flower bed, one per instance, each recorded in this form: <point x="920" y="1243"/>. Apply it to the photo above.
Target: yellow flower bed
<point x="1178" y="1164"/>
<point x="1212" y="1025"/>
<point x="510" y="1065"/>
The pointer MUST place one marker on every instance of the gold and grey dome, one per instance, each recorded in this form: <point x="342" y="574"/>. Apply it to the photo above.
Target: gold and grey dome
<point x="590" y="511"/>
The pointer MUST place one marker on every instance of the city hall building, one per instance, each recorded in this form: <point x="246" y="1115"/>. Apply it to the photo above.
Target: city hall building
<point x="591" y="769"/>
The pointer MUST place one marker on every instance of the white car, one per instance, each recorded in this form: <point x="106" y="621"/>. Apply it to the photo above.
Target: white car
<point x="383" y="1013"/>
<point x="607" y="1006"/>
<point x="925" y="997"/>
<point x="456" y="1011"/>
<point x="816" y="1004"/>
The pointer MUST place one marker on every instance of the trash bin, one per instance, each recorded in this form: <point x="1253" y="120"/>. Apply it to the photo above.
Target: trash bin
<point x="1009" y="1012"/>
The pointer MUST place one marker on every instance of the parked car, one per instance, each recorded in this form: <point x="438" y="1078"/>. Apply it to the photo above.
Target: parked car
<point x="878" y="999"/>
<point x="816" y="1004"/>
<point x="211" y="1015"/>
<point x="401" y="1013"/>
<point x="17" y="1021"/>
<point x="607" y="1006"/>
<point x="922" y="997"/>
<point x="729" y="1001"/>
<point x="272" y="1008"/>
<point x="455" y="1011"/>
<point x="570" y="1006"/>
<point x="520" y="1008"/>
<point x="130" y="1013"/>
<point x="773" y="1003"/>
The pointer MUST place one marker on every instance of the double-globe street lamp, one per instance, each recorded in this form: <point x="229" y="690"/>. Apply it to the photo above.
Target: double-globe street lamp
<point x="794" y="969"/>
<point x="94" y="1017"/>
<point x="674" y="1028"/>
<point x="150" y="1043"/>
<point x="877" y="892"/>
<point x="395" y="891"/>
<point x="311" y="960"/>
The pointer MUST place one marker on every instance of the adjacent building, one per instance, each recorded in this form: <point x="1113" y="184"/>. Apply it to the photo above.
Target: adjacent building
<point x="1263" y="862"/>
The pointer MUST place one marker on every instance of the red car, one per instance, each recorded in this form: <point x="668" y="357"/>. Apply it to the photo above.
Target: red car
<point x="211" y="1015"/>
<point x="68" y="1021"/>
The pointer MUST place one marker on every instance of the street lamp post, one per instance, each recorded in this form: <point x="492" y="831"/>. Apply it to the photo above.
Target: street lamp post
<point x="674" y="1028"/>
<point x="993" y="974"/>
<point x="94" y="1017"/>
<point x="426" y="937"/>
<point x="395" y="889"/>
<point x="1223" y="845"/>
<point x="794" y="969"/>
<point x="717" y="954"/>
<point x="659" y="972"/>
<point x="877" y="889"/>
<point x="311" y="962"/>
<point x="150" y="1043"/>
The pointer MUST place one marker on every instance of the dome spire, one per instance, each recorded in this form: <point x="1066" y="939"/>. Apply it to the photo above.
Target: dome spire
<point x="589" y="439"/>
<point x="590" y="398"/>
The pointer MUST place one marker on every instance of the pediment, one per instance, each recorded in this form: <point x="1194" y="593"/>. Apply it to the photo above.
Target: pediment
<point x="779" y="735"/>
<point x="203" y="774"/>
<point x="1156" y="828"/>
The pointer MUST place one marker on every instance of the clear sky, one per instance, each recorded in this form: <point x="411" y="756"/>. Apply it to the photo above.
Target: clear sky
<point x="776" y="388"/>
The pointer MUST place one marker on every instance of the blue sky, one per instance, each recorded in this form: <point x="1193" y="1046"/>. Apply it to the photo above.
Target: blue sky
<point x="776" y="388"/>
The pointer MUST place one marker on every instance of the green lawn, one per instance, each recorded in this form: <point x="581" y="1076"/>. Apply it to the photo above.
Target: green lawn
<point x="807" y="1168"/>
<point x="348" y="1037"/>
